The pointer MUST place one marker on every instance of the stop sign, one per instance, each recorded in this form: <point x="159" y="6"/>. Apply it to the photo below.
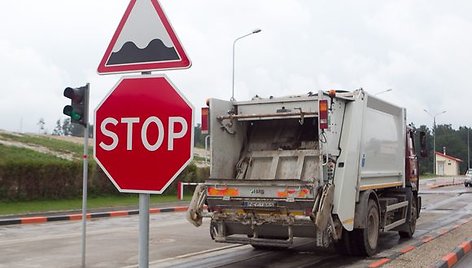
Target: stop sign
<point x="143" y="134"/>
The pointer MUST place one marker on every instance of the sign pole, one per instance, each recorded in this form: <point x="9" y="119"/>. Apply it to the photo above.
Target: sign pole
<point x="85" y="176"/>
<point x="144" y="224"/>
<point x="144" y="230"/>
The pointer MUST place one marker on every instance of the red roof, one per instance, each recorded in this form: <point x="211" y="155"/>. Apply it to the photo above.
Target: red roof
<point x="449" y="157"/>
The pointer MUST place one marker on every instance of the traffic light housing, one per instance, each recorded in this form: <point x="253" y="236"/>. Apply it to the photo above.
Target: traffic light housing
<point x="78" y="109"/>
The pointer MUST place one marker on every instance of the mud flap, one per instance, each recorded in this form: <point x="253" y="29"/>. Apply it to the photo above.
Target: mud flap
<point x="195" y="209"/>
<point x="323" y="212"/>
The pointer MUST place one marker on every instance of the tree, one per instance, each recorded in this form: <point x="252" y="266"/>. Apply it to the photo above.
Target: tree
<point x="199" y="138"/>
<point x="41" y="124"/>
<point x="58" y="129"/>
<point x="67" y="127"/>
<point x="454" y="142"/>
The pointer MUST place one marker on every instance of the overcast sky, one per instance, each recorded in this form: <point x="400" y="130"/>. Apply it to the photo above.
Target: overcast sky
<point x="420" y="49"/>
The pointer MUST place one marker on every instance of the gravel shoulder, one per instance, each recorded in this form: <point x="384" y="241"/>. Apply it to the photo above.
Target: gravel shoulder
<point x="429" y="253"/>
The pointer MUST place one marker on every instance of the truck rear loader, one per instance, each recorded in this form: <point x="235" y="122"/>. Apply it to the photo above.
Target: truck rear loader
<point x="336" y="166"/>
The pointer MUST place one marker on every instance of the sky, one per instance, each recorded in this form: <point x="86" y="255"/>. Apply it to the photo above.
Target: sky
<point x="421" y="49"/>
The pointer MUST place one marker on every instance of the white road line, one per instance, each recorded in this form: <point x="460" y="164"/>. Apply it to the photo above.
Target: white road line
<point x="188" y="255"/>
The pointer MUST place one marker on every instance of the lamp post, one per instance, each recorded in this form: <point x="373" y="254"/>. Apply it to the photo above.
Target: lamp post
<point x="468" y="150"/>
<point x="234" y="51"/>
<point x="434" y="137"/>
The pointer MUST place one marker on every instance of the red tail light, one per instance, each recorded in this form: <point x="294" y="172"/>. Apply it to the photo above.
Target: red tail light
<point x="323" y="114"/>
<point x="204" y="128"/>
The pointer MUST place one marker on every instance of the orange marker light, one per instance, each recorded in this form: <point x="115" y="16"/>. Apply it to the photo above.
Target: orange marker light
<point x="213" y="191"/>
<point x="332" y="93"/>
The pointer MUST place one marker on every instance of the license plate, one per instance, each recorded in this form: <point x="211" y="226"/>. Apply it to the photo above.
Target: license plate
<point x="259" y="204"/>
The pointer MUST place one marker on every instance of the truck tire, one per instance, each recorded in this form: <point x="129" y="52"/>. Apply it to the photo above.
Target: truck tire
<point x="411" y="227"/>
<point x="364" y="241"/>
<point x="342" y="246"/>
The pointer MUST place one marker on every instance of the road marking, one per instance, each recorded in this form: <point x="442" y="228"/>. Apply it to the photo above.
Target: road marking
<point x="188" y="255"/>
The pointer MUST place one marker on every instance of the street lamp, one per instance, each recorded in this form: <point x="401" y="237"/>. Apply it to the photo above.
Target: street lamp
<point x="234" y="46"/>
<point x="468" y="150"/>
<point x="434" y="137"/>
<point x="381" y="92"/>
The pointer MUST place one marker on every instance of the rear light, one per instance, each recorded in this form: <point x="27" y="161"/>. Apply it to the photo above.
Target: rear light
<point x="294" y="193"/>
<point x="224" y="191"/>
<point x="323" y="114"/>
<point x="204" y="127"/>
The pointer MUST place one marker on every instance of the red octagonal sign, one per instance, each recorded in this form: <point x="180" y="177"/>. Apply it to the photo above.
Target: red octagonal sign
<point x="143" y="134"/>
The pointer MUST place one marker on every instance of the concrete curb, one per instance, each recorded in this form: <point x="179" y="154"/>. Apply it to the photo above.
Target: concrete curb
<point x="444" y="185"/>
<point x="452" y="258"/>
<point x="73" y="217"/>
<point x="418" y="242"/>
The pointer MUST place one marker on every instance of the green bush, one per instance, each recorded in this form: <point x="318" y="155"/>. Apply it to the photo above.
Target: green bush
<point x="29" y="175"/>
<point x="191" y="173"/>
<point x="30" y="180"/>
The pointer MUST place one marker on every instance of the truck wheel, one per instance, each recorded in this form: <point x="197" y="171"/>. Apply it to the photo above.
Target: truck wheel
<point x="342" y="246"/>
<point x="213" y="230"/>
<point x="410" y="229"/>
<point x="365" y="240"/>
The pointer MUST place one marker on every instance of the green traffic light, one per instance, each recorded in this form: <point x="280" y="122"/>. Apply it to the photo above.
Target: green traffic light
<point x="75" y="116"/>
<point x="78" y="108"/>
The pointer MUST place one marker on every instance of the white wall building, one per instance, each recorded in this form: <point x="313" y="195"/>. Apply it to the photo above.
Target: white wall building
<point x="447" y="165"/>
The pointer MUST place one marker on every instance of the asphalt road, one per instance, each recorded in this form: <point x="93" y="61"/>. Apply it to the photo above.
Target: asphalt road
<point x="113" y="242"/>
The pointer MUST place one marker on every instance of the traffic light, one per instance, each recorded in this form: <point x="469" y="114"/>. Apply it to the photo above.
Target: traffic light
<point x="78" y="110"/>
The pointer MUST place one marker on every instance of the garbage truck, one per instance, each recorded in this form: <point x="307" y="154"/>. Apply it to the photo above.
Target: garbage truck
<point x="336" y="166"/>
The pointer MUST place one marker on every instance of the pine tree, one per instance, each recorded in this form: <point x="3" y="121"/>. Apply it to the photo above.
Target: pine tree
<point x="41" y="124"/>
<point x="67" y="127"/>
<point x="58" y="129"/>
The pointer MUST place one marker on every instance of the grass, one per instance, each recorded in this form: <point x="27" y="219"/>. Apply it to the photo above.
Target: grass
<point x="48" y="142"/>
<point x="428" y="176"/>
<point x="199" y="158"/>
<point x="24" y="207"/>
<point x="15" y="154"/>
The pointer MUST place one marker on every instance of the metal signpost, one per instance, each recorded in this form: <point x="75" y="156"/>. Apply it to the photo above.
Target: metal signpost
<point x="143" y="42"/>
<point x="143" y="140"/>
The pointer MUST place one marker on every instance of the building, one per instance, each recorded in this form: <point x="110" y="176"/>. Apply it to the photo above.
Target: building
<point x="447" y="165"/>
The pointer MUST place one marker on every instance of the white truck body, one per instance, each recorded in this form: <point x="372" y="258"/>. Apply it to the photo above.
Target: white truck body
<point x="275" y="174"/>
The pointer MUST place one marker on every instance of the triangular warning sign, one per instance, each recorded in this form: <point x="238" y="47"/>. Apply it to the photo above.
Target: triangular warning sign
<point x="143" y="41"/>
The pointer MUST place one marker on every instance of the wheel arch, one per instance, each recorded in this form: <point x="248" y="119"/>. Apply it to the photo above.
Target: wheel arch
<point x="361" y="208"/>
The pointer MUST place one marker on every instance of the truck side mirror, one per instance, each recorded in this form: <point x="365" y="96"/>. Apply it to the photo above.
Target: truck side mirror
<point x="423" y="151"/>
